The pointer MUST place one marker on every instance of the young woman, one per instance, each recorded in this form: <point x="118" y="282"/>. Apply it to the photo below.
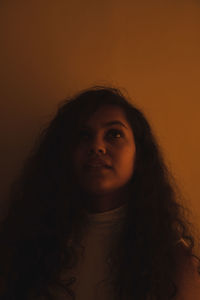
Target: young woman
<point x="95" y="214"/>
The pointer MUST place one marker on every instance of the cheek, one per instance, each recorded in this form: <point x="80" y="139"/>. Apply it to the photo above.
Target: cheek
<point x="127" y="160"/>
<point x="75" y="159"/>
<point x="78" y="159"/>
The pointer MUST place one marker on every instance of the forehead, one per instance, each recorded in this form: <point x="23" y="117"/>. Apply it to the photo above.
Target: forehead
<point x="107" y="113"/>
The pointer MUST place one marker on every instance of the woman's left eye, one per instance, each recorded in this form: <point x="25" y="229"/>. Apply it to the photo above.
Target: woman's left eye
<point x="116" y="132"/>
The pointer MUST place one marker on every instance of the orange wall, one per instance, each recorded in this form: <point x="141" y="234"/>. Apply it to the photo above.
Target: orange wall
<point x="50" y="49"/>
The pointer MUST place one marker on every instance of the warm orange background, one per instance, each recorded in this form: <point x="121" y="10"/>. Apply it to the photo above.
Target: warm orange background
<point x="51" y="49"/>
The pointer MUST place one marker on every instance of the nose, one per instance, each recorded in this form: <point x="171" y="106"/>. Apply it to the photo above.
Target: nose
<point x="97" y="146"/>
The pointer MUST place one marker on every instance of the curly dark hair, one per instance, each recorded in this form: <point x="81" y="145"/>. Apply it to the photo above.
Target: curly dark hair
<point x="46" y="218"/>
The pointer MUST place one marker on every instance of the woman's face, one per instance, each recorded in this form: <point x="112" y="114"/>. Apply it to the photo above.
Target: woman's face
<point x="112" y="143"/>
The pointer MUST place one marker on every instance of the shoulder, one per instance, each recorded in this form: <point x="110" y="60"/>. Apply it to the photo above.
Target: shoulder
<point x="188" y="278"/>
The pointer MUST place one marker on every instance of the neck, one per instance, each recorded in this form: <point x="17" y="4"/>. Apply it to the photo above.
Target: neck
<point x="106" y="202"/>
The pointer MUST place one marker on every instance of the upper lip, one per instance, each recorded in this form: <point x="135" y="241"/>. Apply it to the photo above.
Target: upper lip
<point x="97" y="162"/>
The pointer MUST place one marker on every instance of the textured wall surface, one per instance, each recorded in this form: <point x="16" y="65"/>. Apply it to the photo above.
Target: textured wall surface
<point x="51" y="49"/>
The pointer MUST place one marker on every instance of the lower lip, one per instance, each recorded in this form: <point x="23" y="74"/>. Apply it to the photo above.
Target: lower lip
<point x="97" y="168"/>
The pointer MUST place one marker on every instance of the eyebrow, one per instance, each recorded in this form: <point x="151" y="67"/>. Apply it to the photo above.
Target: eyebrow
<point x="114" y="122"/>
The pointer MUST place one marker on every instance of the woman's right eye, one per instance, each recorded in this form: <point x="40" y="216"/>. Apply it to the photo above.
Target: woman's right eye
<point x="83" y="134"/>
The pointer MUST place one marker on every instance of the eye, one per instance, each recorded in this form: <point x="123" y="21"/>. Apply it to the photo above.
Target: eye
<point x="116" y="132"/>
<point x="83" y="133"/>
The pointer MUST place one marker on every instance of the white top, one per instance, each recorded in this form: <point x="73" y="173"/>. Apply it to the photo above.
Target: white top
<point x="92" y="267"/>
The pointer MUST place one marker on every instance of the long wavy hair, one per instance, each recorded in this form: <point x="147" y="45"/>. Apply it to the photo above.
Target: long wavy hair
<point x="46" y="219"/>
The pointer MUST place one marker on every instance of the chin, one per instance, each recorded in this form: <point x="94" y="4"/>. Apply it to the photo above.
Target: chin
<point x="100" y="191"/>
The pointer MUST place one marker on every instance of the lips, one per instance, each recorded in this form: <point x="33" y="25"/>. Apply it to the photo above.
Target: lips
<point x="97" y="163"/>
<point x="97" y="167"/>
